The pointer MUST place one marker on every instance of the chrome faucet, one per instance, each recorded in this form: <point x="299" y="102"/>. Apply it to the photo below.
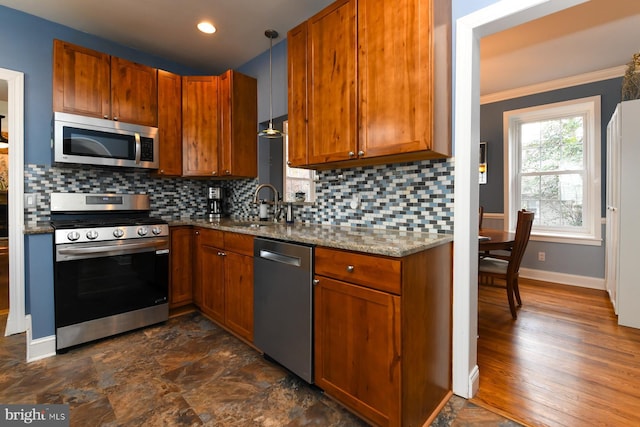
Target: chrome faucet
<point x="276" y="199"/>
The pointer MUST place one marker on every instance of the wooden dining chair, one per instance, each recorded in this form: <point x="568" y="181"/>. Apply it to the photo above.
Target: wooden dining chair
<point x="480" y="216"/>
<point x="506" y="265"/>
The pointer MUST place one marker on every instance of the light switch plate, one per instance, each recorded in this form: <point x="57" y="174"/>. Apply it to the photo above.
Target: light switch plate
<point x="30" y="200"/>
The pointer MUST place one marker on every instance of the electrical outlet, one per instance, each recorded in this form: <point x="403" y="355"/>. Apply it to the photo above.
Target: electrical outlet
<point x="30" y="200"/>
<point x="541" y="256"/>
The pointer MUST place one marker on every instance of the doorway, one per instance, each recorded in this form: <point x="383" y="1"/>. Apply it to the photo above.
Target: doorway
<point x="14" y="99"/>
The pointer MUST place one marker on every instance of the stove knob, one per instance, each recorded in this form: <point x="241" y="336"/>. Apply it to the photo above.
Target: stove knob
<point x="156" y="230"/>
<point x="73" y="236"/>
<point x="92" y="234"/>
<point x="142" y="231"/>
<point x="118" y="232"/>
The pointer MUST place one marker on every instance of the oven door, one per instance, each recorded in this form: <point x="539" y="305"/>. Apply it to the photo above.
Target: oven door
<point x="96" y="280"/>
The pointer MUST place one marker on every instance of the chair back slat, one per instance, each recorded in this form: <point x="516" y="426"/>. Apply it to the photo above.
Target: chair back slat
<point x="523" y="232"/>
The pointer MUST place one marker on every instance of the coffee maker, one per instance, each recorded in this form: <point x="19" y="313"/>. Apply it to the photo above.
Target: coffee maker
<point x="215" y="203"/>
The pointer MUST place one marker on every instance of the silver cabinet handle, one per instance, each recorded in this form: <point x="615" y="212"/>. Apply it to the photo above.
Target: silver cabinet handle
<point x="115" y="118"/>
<point x="316" y="281"/>
<point x="222" y="254"/>
<point x="138" y="148"/>
<point x="361" y="153"/>
<point x="350" y="268"/>
<point x="228" y="172"/>
<point x="288" y="163"/>
<point x="351" y="154"/>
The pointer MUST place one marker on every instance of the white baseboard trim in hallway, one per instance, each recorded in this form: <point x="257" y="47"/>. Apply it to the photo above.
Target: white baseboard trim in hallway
<point x="563" y="278"/>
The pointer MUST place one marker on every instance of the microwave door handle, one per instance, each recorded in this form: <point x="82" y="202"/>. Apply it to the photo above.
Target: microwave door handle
<point x="137" y="136"/>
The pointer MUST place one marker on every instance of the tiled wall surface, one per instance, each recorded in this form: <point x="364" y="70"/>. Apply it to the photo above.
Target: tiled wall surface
<point x="414" y="196"/>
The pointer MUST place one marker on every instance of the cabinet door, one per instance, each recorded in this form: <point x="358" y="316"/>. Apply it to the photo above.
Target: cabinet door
<point x="332" y="54"/>
<point x="200" y="126"/>
<point x="297" y="93"/>
<point x="134" y="92"/>
<point x="170" y="123"/>
<point x="210" y="274"/>
<point x="81" y="80"/>
<point x="180" y="274"/>
<point x="357" y="348"/>
<point x="239" y="294"/>
<point x="238" y="121"/>
<point x="396" y="77"/>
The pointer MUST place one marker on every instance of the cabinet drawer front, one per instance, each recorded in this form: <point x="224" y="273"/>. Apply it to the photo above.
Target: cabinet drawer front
<point x="210" y="237"/>
<point x="239" y="243"/>
<point x="367" y="270"/>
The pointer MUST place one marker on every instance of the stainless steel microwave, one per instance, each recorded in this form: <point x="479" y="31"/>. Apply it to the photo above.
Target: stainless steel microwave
<point x="91" y="141"/>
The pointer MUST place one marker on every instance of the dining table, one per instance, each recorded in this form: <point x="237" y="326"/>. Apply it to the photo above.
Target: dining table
<point x="493" y="239"/>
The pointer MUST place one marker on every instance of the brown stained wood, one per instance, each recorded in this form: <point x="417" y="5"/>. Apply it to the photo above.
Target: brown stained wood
<point x="357" y="348"/>
<point x="239" y="294"/>
<point x="170" y="123"/>
<point x="209" y="273"/>
<point x="297" y="95"/>
<point x="377" y="272"/>
<point x="332" y="89"/>
<point x="181" y="268"/>
<point x="565" y="361"/>
<point x="134" y="92"/>
<point x="238" y="107"/>
<point x="200" y="126"/>
<point x="81" y="80"/>
<point x="239" y="243"/>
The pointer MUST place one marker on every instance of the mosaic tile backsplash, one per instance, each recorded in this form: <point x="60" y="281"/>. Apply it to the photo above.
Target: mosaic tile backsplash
<point x="416" y="196"/>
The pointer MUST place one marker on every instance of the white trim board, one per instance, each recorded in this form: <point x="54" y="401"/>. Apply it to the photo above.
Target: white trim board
<point x="563" y="278"/>
<point x="39" y="348"/>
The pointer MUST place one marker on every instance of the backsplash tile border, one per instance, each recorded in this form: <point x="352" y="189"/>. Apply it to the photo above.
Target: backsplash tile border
<point x="414" y="196"/>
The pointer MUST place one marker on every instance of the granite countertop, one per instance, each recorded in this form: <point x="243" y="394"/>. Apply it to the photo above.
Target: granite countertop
<point x="392" y="243"/>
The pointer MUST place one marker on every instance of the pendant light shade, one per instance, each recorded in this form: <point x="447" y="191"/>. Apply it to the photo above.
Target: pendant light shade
<point x="270" y="132"/>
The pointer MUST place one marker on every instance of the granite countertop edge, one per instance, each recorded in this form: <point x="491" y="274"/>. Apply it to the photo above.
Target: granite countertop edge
<point x="393" y="243"/>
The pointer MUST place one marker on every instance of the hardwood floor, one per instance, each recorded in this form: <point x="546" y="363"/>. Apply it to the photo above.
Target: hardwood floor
<point x="563" y="362"/>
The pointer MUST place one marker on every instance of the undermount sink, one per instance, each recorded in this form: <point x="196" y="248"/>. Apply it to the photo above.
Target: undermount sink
<point x="254" y="224"/>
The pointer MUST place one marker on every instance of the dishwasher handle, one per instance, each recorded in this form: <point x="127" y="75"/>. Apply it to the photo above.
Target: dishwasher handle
<point x="283" y="259"/>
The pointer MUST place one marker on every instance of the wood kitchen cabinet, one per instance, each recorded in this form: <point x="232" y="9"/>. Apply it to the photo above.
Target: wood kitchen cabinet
<point x="169" y="123"/>
<point x="181" y="268"/>
<point x="224" y="279"/>
<point x="200" y="126"/>
<point x="92" y="83"/>
<point x="375" y="93"/>
<point x="297" y="95"/>
<point x="383" y="333"/>
<point x="238" y="122"/>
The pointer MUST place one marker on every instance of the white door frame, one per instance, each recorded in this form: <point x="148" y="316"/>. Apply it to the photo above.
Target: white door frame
<point x="469" y="30"/>
<point x="16" y="321"/>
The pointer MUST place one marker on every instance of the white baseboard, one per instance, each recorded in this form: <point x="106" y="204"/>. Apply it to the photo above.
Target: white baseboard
<point x="563" y="278"/>
<point x="474" y="381"/>
<point x="39" y="348"/>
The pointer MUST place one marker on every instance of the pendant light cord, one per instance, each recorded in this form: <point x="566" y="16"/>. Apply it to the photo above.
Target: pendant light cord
<point x="270" y="84"/>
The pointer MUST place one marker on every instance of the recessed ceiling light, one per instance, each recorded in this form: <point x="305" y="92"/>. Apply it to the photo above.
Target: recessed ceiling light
<point x="206" y="27"/>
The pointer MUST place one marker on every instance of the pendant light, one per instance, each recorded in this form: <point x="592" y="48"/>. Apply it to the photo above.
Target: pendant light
<point x="270" y="132"/>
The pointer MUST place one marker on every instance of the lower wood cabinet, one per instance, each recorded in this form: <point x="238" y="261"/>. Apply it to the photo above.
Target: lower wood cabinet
<point x="383" y="343"/>
<point x="181" y="269"/>
<point x="224" y="279"/>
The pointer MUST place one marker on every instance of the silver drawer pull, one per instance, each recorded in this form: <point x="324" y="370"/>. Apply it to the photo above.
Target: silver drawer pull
<point x="350" y="268"/>
<point x="316" y="281"/>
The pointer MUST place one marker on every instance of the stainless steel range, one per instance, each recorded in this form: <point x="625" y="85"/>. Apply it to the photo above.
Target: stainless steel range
<point x="111" y="266"/>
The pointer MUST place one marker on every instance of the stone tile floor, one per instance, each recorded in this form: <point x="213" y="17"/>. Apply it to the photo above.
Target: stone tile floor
<point x="186" y="372"/>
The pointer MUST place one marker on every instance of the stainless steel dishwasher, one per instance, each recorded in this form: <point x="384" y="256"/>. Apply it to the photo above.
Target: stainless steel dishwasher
<point x="283" y="304"/>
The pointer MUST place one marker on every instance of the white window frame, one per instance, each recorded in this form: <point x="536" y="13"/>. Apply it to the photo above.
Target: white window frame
<point x="590" y="108"/>
<point x="311" y="197"/>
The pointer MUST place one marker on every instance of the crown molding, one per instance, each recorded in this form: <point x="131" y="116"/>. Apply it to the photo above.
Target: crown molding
<point x="595" y="76"/>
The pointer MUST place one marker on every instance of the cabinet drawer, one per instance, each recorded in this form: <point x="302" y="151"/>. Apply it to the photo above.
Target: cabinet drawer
<point x="239" y="243"/>
<point x="367" y="270"/>
<point x="210" y="237"/>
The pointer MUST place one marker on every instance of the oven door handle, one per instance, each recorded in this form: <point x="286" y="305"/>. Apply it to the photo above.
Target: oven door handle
<point x="92" y="251"/>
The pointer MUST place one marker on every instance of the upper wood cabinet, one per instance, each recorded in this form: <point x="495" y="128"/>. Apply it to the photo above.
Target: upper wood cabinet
<point x="297" y="94"/>
<point x="200" y="126"/>
<point x="95" y="84"/>
<point x="238" y="125"/>
<point x="170" y="123"/>
<point x="378" y="83"/>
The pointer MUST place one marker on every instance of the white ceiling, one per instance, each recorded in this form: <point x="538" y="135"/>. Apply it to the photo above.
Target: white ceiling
<point x="594" y="36"/>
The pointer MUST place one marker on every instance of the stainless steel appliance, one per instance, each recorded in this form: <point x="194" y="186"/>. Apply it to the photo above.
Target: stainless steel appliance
<point x="111" y="266"/>
<point x="90" y="141"/>
<point x="283" y="304"/>
<point x="215" y="203"/>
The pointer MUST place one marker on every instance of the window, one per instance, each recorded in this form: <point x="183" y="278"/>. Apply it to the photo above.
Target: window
<point x="553" y="158"/>
<point x="296" y="180"/>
